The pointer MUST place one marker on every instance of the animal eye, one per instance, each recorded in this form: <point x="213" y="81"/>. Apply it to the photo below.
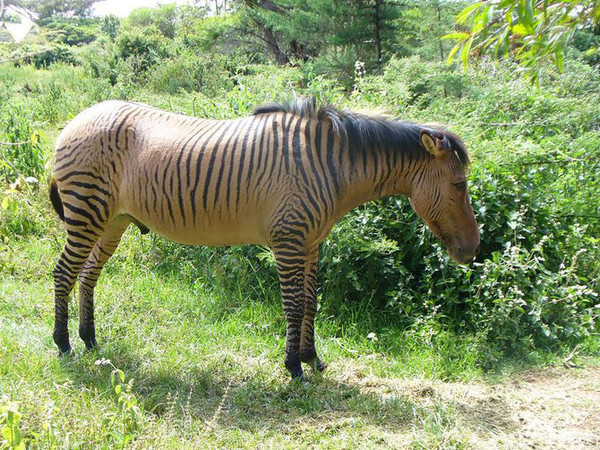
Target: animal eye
<point x="460" y="185"/>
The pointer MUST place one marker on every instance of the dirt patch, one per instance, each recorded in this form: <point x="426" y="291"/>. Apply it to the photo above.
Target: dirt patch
<point x="555" y="408"/>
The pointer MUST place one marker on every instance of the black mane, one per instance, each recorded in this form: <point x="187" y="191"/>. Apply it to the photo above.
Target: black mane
<point x="363" y="131"/>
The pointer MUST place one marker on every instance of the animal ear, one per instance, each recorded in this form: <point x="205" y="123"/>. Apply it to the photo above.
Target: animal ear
<point x="434" y="143"/>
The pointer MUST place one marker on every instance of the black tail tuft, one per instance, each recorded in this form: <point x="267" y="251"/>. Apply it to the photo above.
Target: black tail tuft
<point x="55" y="199"/>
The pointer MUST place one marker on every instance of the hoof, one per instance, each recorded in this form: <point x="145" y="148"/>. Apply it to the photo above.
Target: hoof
<point x="294" y="366"/>
<point x="66" y="351"/>
<point x="88" y="336"/>
<point x="90" y="344"/>
<point x="61" y="339"/>
<point x="318" y="365"/>
<point x="310" y="357"/>
<point x="299" y="379"/>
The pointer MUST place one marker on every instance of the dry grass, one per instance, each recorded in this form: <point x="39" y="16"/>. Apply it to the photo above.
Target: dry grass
<point x="545" y="408"/>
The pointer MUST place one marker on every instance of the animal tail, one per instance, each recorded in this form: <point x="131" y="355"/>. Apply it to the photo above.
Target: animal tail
<point x="55" y="199"/>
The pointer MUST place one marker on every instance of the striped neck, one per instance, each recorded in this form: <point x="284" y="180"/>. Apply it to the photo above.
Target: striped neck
<point x="379" y="173"/>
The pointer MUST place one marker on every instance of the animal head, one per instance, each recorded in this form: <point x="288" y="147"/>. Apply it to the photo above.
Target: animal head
<point x="441" y="197"/>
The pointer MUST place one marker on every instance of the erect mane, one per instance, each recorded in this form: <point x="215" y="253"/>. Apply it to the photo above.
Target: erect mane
<point x="365" y="132"/>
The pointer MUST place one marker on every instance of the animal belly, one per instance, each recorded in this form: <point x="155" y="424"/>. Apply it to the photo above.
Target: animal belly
<point x="207" y="230"/>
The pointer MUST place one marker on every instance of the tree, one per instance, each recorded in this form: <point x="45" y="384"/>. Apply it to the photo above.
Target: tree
<point x="291" y="30"/>
<point x="530" y="30"/>
<point x="40" y="10"/>
<point x="110" y="26"/>
<point x="164" y="18"/>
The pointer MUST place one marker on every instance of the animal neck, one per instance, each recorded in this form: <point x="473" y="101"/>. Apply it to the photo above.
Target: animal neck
<point x="378" y="173"/>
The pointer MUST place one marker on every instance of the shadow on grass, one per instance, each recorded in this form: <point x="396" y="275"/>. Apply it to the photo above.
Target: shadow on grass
<point x="219" y="397"/>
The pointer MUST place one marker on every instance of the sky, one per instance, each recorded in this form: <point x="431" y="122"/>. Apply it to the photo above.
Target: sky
<point x="122" y="8"/>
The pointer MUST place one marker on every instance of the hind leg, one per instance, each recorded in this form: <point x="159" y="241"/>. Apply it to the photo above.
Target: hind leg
<point x="102" y="251"/>
<point x="80" y="242"/>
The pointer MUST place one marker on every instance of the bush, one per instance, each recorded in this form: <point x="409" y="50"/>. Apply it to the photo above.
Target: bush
<point x="21" y="145"/>
<point x="162" y="19"/>
<point x="58" y="53"/>
<point x="71" y="32"/>
<point x="144" y="49"/>
<point x="189" y="72"/>
<point x="530" y="289"/>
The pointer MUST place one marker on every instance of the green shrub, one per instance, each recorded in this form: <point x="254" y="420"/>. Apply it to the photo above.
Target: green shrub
<point x="189" y="72"/>
<point x="21" y="145"/>
<point x="102" y="61"/>
<point x="205" y="33"/>
<point x="144" y="48"/>
<point x="71" y="32"/>
<point x="163" y="19"/>
<point x="57" y="53"/>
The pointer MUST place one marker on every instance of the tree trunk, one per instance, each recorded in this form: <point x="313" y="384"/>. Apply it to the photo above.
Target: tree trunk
<point x="271" y="41"/>
<point x="438" y="9"/>
<point x="378" y="4"/>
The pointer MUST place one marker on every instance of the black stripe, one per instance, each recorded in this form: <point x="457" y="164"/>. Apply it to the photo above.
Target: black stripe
<point x="87" y="201"/>
<point x="285" y="135"/>
<point x="76" y="234"/>
<point x="274" y="148"/>
<point x="197" y="134"/>
<point x="85" y="185"/>
<point x="74" y="255"/>
<point x="76" y="244"/>
<point x="84" y="173"/>
<point x="262" y="150"/>
<point x="179" y="190"/>
<point x="319" y="151"/>
<point x="62" y="157"/>
<point x="157" y="182"/>
<point x="307" y="210"/>
<point x="65" y="165"/>
<point x="146" y="193"/>
<point x="330" y="165"/>
<point x="241" y="162"/>
<point x="211" y="164"/>
<point x="298" y="160"/>
<point x="215" y="128"/>
<point x="164" y="189"/>
<point x="248" y="178"/>
<point x="234" y="136"/>
<point x="310" y="154"/>
<point x="118" y="132"/>
<point x="83" y="213"/>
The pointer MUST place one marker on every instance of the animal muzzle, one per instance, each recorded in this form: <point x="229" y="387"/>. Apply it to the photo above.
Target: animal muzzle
<point x="463" y="247"/>
<point x="464" y="252"/>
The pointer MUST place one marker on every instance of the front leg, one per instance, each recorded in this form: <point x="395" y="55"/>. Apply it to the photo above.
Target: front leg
<point x="291" y="263"/>
<point x="308" y="353"/>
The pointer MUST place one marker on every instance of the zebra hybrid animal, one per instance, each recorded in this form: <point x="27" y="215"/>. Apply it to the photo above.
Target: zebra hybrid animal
<point x="281" y="177"/>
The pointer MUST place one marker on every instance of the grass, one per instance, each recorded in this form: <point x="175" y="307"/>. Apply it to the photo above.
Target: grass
<point x="204" y="360"/>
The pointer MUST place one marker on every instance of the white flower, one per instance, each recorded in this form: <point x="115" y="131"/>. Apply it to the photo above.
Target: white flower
<point x="372" y="336"/>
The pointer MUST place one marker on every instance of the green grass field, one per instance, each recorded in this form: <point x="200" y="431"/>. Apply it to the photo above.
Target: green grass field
<point x="202" y="366"/>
